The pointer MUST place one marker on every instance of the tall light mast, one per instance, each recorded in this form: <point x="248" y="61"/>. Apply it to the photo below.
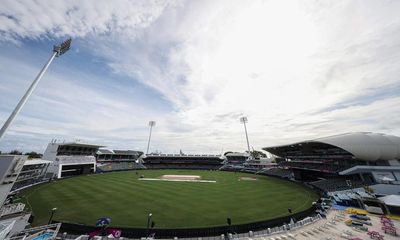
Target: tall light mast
<point x="58" y="50"/>
<point x="244" y="121"/>
<point x="151" y="125"/>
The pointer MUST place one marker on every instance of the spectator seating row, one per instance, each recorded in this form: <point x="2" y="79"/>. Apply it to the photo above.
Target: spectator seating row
<point x="182" y="166"/>
<point x="336" y="184"/>
<point x="117" y="166"/>
<point x="277" y="172"/>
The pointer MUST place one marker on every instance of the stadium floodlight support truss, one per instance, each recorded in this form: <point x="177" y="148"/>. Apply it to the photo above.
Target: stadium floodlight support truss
<point x="58" y="50"/>
<point x="244" y="121"/>
<point x="151" y="125"/>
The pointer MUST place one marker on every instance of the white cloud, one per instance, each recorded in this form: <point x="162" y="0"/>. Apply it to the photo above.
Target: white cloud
<point x="37" y="19"/>
<point x="281" y="63"/>
<point x="274" y="61"/>
<point x="69" y="110"/>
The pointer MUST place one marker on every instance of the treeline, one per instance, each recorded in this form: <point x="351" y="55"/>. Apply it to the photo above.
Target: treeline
<point x="29" y="154"/>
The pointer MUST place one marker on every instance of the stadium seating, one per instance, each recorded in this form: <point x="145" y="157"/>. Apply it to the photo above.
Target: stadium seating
<point x="336" y="184"/>
<point x="314" y="166"/>
<point x="164" y="161"/>
<point x="117" y="166"/>
<point x="277" y="172"/>
<point x="182" y="166"/>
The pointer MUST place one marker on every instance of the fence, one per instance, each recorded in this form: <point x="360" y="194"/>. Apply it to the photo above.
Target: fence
<point x="194" y="232"/>
<point x="245" y="236"/>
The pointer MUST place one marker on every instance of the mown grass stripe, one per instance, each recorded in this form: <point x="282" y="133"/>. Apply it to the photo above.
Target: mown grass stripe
<point x="121" y="196"/>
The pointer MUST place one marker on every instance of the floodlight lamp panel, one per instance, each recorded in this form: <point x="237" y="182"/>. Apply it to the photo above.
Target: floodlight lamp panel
<point x="63" y="47"/>
<point x="243" y="120"/>
<point x="152" y="123"/>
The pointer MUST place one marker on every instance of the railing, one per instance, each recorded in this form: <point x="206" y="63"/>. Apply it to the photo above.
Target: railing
<point x="273" y="225"/>
<point x="241" y="236"/>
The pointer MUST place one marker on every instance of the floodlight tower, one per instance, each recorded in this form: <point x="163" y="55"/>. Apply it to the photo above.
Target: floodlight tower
<point x="244" y="121"/>
<point x="58" y="50"/>
<point x="151" y="125"/>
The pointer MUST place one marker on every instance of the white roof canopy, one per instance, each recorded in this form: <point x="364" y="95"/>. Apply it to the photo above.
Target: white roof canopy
<point x="391" y="200"/>
<point x="365" y="146"/>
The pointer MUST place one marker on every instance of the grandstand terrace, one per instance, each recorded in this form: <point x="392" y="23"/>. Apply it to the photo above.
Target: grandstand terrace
<point x="359" y="157"/>
<point x="260" y="163"/>
<point x="117" y="160"/>
<point x="235" y="158"/>
<point x="117" y="155"/>
<point x="12" y="219"/>
<point x="277" y="172"/>
<point x="33" y="171"/>
<point x="70" y="159"/>
<point x="183" y="161"/>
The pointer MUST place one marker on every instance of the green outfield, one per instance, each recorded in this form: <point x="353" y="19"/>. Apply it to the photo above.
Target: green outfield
<point x="127" y="200"/>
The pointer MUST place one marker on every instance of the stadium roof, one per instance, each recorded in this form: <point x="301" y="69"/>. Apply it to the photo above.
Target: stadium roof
<point x="127" y="152"/>
<point x="77" y="144"/>
<point x="105" y="151"/>
<point x="245" y="154"/>
<point x="119" y="152"/>
<point x="362" y="145"/>
<point x="182" y="155"/>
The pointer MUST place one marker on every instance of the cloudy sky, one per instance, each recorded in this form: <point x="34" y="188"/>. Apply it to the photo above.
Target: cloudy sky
<point x="296" y="69"/>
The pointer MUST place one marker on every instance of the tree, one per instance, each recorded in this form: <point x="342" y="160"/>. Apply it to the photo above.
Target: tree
<point x="15" y="152"/>
<point x="33" y="154"/>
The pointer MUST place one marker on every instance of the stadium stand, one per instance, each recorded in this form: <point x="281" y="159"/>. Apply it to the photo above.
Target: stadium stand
<point x="32" y="172"/>
<point x="326" y="167"/>
<point x="117" y="166"/>
<point x="182" y="161"/>
<point x="337" y="184"/>
<point x="235" y="161"/>
<point x="325" y="163"/>
<point x="117" y="155"/>
<point x="70" y="159"/>
<point x="12" y="218"/>
<point x="118" y="160"/>
<point x="365" y="158"/>
<point x="277" y="172"/>
<point x="234" y="158"/>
